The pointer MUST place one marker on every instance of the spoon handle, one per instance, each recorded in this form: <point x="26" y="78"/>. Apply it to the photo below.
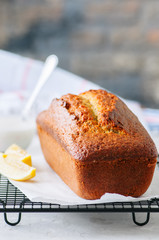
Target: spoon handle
<point x="49" y="65"/>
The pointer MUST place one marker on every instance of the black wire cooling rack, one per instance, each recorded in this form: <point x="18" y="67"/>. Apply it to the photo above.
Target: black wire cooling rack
<point x="12" y="200"/>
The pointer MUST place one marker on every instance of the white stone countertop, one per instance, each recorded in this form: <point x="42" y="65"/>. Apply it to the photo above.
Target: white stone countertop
<point x="45" y="226"/>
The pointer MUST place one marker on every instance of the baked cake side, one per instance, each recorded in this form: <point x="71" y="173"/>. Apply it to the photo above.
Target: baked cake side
<point x="102" y="147"/>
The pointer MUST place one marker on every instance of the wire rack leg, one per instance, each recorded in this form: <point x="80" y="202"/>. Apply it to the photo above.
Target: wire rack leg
<point x="141" y="223"/>
<point x="5" y="214"/>
<point x="12" y="223"/>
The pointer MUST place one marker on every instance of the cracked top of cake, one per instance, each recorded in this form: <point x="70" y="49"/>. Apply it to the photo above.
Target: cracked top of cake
<point x="96" y="125"/>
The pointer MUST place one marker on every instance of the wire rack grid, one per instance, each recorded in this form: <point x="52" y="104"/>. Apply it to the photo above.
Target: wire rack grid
<point x="12" y="200"/>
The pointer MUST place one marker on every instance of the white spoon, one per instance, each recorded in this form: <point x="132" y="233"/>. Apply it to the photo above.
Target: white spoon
<point x="20" y="129"/>
<point x="49" y="66"/>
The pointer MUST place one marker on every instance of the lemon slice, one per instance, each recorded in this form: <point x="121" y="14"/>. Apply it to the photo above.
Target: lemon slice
<point x="19" y="154"/>
<point x="15" y="169"/>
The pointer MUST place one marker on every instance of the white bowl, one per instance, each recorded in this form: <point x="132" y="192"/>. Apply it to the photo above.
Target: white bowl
<point x="13" y="129"/>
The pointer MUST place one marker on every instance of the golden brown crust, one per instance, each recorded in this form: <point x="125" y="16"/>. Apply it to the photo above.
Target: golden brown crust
<point x="108" y="129"/>
<point x="97" y="145"/>
<point x="90" y="180"/>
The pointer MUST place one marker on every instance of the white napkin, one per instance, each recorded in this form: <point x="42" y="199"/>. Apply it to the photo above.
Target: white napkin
<point x="48" y="187"/>
<point x="21" y="73"/>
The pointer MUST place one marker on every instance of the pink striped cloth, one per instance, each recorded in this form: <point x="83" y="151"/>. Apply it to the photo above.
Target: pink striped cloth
<point x="19" y="76"/>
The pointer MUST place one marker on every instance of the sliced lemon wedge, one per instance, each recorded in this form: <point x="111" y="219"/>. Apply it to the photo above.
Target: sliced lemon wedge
<point x="19" y="154"/>
<point x="15" y="169"/>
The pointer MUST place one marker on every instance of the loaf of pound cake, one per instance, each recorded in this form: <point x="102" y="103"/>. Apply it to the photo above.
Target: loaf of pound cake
<point x="97" y="145"/>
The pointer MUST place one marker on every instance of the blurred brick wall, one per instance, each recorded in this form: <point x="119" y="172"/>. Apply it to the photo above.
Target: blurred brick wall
<point x="114" y="43"/>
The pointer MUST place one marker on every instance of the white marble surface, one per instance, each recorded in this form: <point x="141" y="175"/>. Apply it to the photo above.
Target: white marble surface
<point x="45" y="226"/>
